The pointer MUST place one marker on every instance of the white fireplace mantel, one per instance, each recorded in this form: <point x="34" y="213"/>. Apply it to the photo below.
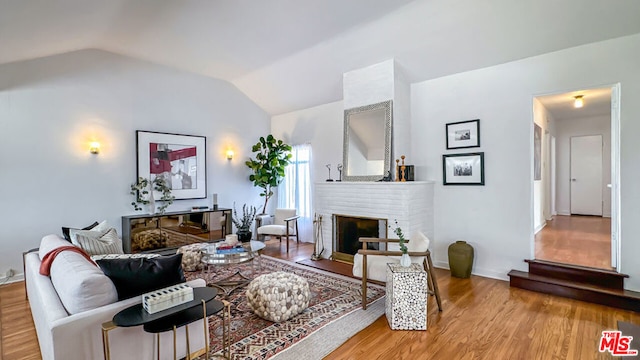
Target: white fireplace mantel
<point x="410" y="203"/>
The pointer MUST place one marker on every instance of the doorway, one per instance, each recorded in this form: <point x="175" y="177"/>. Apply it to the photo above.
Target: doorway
<point x="575" y="216"/>
<point x="586" y="175"/>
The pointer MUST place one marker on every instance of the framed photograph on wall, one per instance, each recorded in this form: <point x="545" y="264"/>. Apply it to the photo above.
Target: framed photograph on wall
<point x="463" y="169"/>
<point x="180" y="159"/>
<point x="463" y="134"/>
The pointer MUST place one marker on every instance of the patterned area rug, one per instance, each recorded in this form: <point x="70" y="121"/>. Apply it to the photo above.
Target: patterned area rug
<point x="332" y="297"/>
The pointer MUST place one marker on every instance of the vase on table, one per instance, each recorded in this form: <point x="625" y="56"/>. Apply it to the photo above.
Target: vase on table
<point x="244" y="235"/>
<point x="151" y="206"/>
<point x="405" y="260"/>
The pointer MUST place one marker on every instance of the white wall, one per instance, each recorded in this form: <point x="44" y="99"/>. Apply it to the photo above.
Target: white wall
<point x="497" y="218"/>
<point x="50" y="108"/>
<point x="542" y="187"/>
<point x="598" y="125"/>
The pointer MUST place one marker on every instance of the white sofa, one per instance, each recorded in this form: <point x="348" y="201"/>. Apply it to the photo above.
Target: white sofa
<point x="65" y="336"/>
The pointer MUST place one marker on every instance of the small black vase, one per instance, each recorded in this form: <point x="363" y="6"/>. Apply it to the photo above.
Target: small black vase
<point x="244" y="235"/>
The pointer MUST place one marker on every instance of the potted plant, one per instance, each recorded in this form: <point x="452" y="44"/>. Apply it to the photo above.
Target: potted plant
<point x="268" y="166"/>
<point x="243" y="223"/>
<point x="143" y="191"/>
<point x="405" y="260"/>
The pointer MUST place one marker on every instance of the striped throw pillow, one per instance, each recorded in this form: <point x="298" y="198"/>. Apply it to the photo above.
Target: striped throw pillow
<point x="100" y="242"/>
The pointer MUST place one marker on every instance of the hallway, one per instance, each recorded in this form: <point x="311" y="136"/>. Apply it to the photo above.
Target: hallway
<point x="576" y="240"/>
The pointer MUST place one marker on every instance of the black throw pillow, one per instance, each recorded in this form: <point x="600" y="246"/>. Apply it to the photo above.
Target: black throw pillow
<point x="133" y="277"/>
<point x="65" y="230"/>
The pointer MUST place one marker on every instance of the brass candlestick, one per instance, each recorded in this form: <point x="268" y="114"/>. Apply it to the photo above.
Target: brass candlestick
<point x="402" y="170"/>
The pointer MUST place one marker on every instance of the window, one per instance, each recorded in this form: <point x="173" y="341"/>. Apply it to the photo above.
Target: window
<point x="295" y="189"/>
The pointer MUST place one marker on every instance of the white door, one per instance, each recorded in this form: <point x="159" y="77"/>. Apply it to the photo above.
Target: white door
<point x="586" y="175"/>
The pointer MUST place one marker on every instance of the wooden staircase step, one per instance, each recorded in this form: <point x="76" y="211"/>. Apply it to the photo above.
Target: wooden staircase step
<point x="621" y="299"/>
<point x="586" y="275"/>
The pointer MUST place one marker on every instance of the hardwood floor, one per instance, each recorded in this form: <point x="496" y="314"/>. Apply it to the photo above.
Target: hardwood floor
<point x="576" y="240"/>
<point x="482" y="319"/>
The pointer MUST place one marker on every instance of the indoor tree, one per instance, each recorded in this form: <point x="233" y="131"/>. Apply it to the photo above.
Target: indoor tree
<point x="272" y="158"/>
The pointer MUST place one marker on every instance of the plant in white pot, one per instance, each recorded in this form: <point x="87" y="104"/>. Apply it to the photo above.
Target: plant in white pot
<point x="405" y="260"/>
<point x="143" y="191"/>
<point x="243" y="223"/>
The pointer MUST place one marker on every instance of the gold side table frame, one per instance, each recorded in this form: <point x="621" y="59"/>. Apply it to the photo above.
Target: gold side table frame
<point x="226" y="335"/>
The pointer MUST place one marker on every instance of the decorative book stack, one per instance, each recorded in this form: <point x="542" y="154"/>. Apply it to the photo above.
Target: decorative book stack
<point x="230" y="249"/>
<point x="165" y="298"/>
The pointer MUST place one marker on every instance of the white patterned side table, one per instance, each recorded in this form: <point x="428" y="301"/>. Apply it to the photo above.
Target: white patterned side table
<point x="406" y="300"/>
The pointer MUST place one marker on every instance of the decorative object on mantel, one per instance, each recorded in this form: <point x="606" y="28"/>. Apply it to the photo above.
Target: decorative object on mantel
<point x="243" y="224"/>
<point x="405" y="260"/>
<point x="404" y="172"/>
<point x="179" y="159"/>
<point x="272" y="158"/>
<point x="366" y="150"/>
<point x="339" y="172"/>
<point x="463" y="169"/>
<point x="143" y="191"/>
<point x="329" y="168"/>
<point x="318" y="240"/>
<point x="460" y="259"/>
<point x="387" y="177"/>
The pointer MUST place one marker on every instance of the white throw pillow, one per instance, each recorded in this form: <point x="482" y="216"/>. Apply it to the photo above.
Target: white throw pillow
<point x="98" y="243"/>
<point x="102" y="227"/>
<point x="419" y="242"/>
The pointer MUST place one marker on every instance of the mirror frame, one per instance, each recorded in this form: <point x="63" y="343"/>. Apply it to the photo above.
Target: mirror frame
<point x="388" y="107"/>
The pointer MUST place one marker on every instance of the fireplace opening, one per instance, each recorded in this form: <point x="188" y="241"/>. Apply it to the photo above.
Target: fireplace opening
<point x="348" y="229"/>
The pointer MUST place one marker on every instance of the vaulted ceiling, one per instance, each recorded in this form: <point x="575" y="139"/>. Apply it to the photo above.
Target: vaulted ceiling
<point x="290" y="54"/>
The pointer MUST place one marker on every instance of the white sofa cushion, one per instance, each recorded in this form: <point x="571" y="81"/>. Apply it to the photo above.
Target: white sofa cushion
<point x="80" y="284"/>
<point x="277" y="230"/>
<point x="376" y="266"/>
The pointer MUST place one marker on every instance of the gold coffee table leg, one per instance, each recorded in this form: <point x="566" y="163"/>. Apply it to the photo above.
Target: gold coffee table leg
<point x="226" y="329"/>
<point x="106" y="327"/>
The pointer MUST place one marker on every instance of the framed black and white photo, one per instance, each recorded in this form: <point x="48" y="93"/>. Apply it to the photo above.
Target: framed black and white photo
<point x="463" y="134"/>
<point x="179" y="159"/>
<point x="463" y="169"/>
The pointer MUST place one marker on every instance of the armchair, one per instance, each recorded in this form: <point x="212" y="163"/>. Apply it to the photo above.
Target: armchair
<point x="285" y="224"/>
<point x="371" y="264"/>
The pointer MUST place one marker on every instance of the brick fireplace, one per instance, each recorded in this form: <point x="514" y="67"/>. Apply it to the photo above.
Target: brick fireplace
<point x="410" y="203"/>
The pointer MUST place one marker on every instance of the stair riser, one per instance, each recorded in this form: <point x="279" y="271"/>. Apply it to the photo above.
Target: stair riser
<point x="577" y="294"/>
<point x="611" y="281"/>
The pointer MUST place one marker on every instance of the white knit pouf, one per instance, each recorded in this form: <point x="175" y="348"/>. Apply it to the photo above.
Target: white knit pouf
<point x="278" y="296"/>
<point x="191" y="256"/>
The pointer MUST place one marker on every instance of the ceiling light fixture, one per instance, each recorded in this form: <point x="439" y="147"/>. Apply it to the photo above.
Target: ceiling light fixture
<point x="578" y="102"/>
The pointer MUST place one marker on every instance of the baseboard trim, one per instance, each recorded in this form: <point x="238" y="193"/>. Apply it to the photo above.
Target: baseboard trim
<point x="13" y="279"/>
<point x="487" y="273"/>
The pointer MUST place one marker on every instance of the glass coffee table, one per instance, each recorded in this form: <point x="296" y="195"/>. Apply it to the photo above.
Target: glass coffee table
<point x="211" y="258"/>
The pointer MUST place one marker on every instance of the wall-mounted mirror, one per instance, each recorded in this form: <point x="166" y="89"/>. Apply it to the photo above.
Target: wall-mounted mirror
<point x="367" y="142"/>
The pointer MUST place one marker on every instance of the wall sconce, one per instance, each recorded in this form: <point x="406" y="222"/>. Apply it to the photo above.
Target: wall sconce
<point x="94" y="147"/>
<point x="578" y="102"/>
<point x="229" y="154"/>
